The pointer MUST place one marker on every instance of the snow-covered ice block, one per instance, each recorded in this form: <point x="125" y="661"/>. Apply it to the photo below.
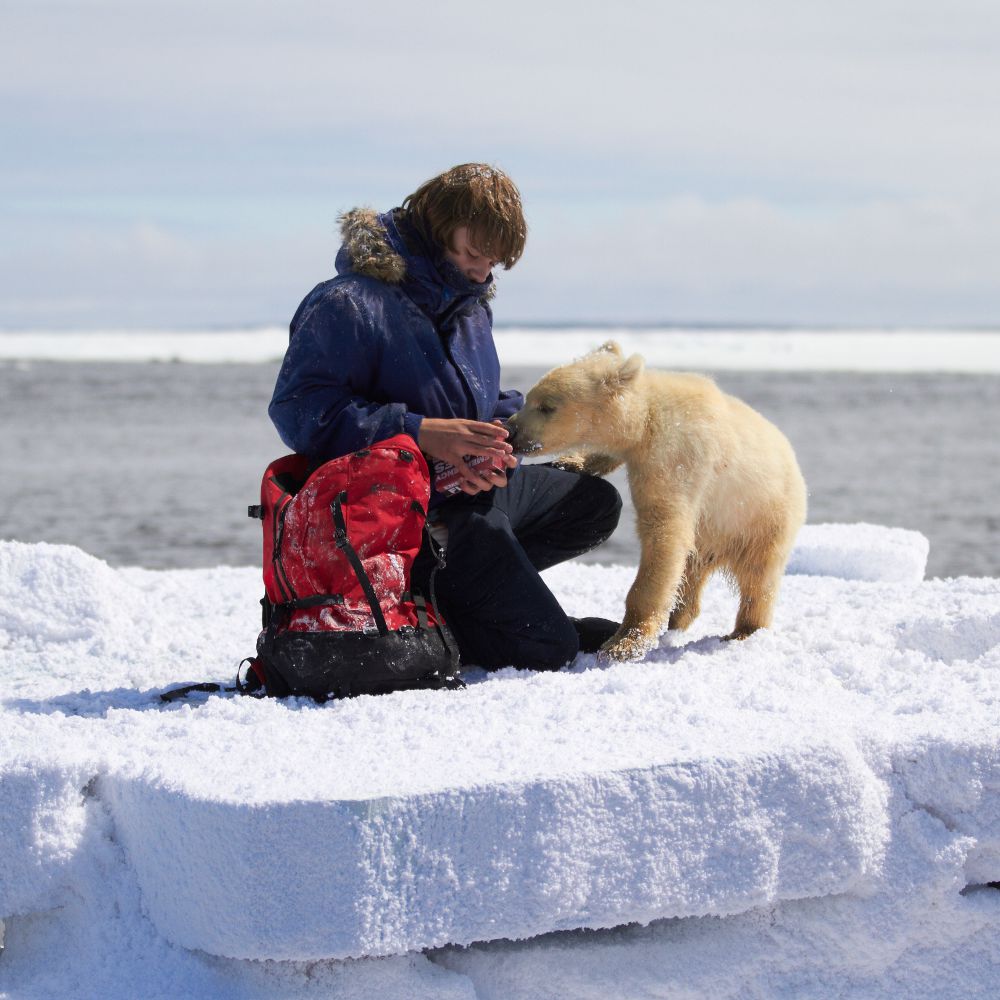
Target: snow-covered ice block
<point x="41" y="831"/>
<point x="958" y="782"/>
<point x="860" y="552"/>
<point x="336" y="872"/>
<point x="787" y="772"/>
<point x="923" y="928"/>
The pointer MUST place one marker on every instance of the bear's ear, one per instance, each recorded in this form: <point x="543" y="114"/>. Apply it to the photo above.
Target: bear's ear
<point x="608" y="347"/>
<point x="630" y="369"/>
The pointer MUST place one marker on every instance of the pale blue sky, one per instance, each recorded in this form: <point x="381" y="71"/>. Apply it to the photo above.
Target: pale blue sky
<point x="182" y="164"/>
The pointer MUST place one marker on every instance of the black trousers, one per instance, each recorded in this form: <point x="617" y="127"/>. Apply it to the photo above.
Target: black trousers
<point x="495" y="603"/>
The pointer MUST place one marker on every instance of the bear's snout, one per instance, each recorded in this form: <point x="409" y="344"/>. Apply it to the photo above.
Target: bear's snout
<point x="518" y="440"/>
<point x="514" y="436"/>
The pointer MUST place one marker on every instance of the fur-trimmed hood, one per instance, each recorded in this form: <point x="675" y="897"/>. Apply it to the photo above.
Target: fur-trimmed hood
<point x="367" y="247"/>
<point x="383" y="247"/>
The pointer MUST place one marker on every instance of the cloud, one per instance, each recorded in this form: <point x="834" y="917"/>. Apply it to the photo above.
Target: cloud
<point x="151" y="276"/>
<point x="916" y="262"/>
<point x="754" y="155"/>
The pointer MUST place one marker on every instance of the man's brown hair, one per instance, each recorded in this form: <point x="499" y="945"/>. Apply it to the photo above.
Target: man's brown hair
<point x="478" y="196"/>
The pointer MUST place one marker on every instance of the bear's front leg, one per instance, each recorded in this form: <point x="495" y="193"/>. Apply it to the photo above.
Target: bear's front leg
<point x="589" y="463"/>
<point x="666" y="539"/>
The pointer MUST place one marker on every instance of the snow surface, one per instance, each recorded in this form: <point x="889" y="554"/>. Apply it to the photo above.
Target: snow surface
<point x="962" y="351"/>
<point x="812" y="812"/>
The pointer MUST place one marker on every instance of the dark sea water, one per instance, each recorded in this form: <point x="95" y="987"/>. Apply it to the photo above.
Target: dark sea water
<point x="154" y="464"/>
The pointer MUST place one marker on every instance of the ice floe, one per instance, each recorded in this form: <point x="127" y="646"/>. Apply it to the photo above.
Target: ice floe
<point x="816" y="809"/>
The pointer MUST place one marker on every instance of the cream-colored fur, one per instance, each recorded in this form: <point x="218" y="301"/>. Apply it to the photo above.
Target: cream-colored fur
<point x="715" y="485"/>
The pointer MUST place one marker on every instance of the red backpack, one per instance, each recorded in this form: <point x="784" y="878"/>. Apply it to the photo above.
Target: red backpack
<point x="340" y="617"/>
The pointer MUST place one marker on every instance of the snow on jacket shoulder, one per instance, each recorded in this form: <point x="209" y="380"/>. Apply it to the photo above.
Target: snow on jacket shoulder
<point x="398" y="335"/>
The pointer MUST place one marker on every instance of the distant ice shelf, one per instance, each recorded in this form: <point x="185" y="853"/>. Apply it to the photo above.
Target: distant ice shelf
<point x="698" y="349"/>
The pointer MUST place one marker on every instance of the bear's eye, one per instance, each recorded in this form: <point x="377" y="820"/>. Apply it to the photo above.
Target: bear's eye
<point x="546" y="408"/>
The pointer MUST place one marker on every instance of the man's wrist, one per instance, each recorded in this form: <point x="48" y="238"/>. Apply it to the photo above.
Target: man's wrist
<point x="411" y="424"/>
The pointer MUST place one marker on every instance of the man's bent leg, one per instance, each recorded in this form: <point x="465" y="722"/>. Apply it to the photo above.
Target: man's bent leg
<point x="495" y="603"/>
<point x="490" y="593"/>
<point x="556" y="514"/>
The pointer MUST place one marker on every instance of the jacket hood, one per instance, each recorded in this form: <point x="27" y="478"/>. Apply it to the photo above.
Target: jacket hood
<point x="381" y="246"/>
<point x="366" y="249"/>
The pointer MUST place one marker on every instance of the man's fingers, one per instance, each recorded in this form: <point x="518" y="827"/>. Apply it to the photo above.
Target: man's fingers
<point x="480" y="442"/>
<point x="493" y="455"/>
<point x="481" y="478"/>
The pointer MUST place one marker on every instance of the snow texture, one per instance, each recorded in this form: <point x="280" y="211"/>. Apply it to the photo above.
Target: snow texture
<point x="814" y="811"/>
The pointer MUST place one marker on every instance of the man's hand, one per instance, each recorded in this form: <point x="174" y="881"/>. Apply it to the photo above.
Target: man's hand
<point x="451" y="439"/>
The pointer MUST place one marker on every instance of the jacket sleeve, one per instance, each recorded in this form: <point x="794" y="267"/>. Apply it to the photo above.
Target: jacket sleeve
<point x="320" y="405"/>
<point x="508" y="404"/>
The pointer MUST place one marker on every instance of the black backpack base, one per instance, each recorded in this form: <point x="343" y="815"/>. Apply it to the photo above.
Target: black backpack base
<point x="304" y="663"/>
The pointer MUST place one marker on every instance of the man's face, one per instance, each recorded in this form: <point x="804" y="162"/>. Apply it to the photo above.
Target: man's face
<point x="474" y="264"/>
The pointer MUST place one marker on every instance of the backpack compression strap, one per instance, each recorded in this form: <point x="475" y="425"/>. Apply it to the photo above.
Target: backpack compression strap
<point x="175" y="694"/>
<point x="344" y="544"/>
<point x="450" y="645"/>
<point x="252" y="685"/>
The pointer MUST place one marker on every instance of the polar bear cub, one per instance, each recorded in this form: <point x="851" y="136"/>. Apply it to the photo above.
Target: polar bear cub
<point x="715" y="485"/>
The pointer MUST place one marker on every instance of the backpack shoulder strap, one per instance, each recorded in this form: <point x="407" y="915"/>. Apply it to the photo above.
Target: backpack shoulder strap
<point x="344" y="544"/>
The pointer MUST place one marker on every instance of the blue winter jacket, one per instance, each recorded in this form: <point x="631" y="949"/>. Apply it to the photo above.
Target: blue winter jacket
<point x="398" y="335"/>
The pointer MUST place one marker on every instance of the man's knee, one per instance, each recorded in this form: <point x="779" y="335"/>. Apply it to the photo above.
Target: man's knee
<point x="528" y="651"/>
<point x="558" y="649"/>
<point x="507" y="631"/>
<point x="611" y="510"/>
<point x="602" y="504"/>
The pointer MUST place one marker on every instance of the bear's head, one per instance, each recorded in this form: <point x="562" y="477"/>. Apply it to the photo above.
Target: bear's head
<point x="582" y="404"/>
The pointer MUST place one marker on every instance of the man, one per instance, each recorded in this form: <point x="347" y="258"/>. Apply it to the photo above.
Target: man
<point x="401" y="341"/>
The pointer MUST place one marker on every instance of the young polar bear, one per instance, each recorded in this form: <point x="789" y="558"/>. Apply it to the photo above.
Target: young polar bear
<point x="714" y="484"/>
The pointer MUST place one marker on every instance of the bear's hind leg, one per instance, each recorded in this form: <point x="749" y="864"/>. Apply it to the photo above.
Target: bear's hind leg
<point x="758" y="576"/>
<point x="687" y="607"/>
